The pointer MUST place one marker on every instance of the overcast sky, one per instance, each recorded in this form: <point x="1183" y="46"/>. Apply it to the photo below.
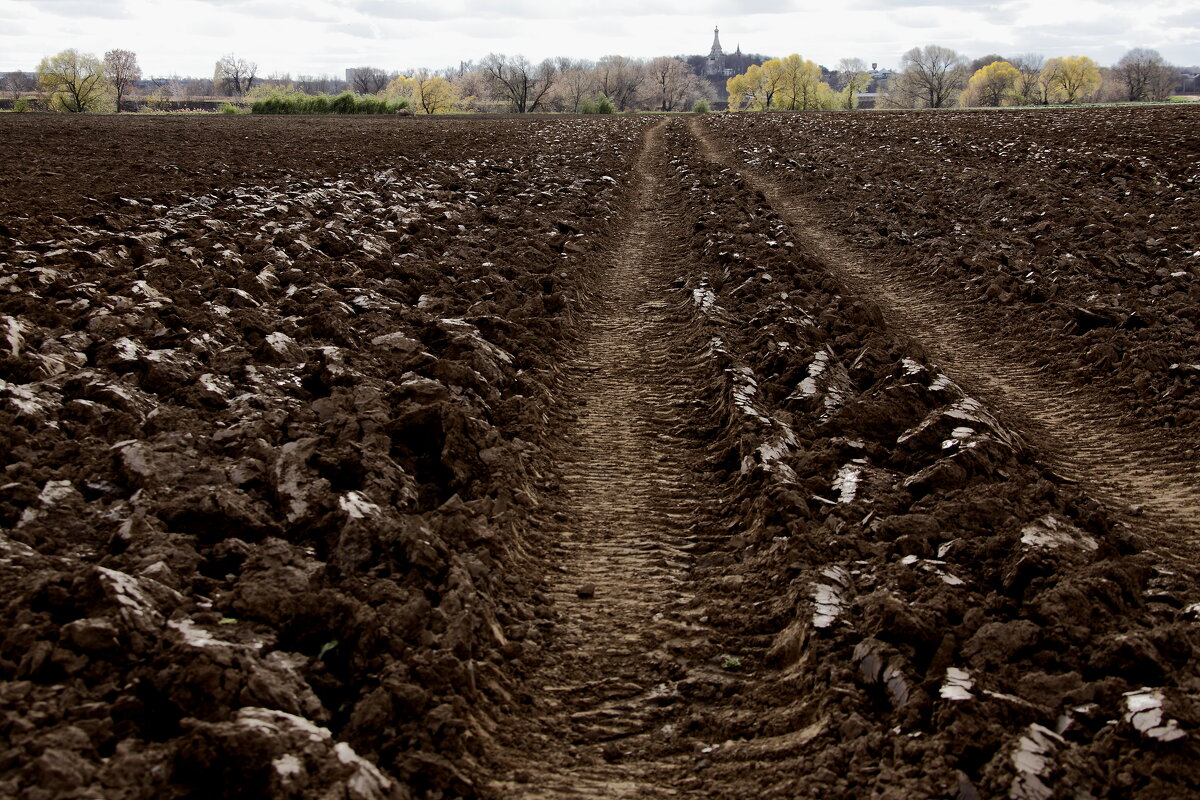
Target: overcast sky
<point x="186" y="37"/>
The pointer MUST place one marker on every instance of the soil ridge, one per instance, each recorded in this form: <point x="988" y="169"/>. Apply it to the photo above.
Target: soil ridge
<point x="1081" y="437"/>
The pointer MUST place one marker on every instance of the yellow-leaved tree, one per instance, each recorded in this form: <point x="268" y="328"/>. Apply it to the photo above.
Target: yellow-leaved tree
<point x="791" y="84"/>
<point x="754" y="89"/>
<point x="401" y="88"/>
<point x="435" y="94"/>
<point x="1073" y="79"/>
<point x="75" y="82"/>
<point x="992" y="85"/>
<point x="424" y="93"/>
<point x="802" y="88"/>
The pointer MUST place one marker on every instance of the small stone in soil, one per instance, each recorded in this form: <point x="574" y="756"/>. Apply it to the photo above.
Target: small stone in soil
<point x="587" y="591"/>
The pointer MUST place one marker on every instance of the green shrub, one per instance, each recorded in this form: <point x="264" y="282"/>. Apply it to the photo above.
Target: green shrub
<point x="289" y="101"/>
<point x="374" y="105"/>
<point x="344" y="103"/>
<point x="587" y="107"/>
<point x="270" y="105"/>
<point x="605" y="106"/>
<point x="701" y="106"/>
<point x="22" y="105"/>
<point x="230" y="108"/>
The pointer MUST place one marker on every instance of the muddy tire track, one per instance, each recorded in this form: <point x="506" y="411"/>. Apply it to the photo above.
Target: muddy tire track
<point x="628" y="625"/>
<point x="1134" y="469"/>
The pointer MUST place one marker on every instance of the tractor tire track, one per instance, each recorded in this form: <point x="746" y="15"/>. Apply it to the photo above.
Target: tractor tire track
<point x="1132" y="468"/>
<point x="628" y="628"/>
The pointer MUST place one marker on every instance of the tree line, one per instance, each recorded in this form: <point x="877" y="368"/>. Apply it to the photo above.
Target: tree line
<point x="938" y="77"/>
<point x="797" y="84"/>
<point x="72" y="81"/>
<point x="929" y="77"/>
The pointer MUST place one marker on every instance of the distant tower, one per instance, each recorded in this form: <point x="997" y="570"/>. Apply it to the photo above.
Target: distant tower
<point x="716" y="57"/>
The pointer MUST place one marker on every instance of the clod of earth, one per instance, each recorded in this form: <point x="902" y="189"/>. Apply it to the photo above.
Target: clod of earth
<point x="319" y="451"/>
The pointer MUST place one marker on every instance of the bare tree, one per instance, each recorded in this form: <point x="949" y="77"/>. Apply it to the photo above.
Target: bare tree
<point x="19" y="83"/>
<point x="178" y="87"/>
<point x="474" y="90"/>
<point x="674" y="83"/>
<point x="1144" y="75"/>
<point x="122" y="70"/>
<point x="983" y="61"/>
<point x="319" y="84"/>
<point x="853" y="77"/>
<point x="368" y="80"/>
<point x="522" y="84"/>
<point x="620" y="78"/>
<point x="852" y="72"/>
<point x="234" y="76"/>
<point x="930" y="77"/>
<point x="577" y="82"/>
<point x="1033" y="89"/>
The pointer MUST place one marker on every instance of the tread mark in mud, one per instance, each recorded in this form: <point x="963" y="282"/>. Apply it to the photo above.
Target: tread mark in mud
<point x="628" y="506"/>
<point x="1082" y="439"/>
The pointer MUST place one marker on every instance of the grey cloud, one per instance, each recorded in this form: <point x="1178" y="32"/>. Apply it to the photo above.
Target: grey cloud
<point x="279" y="9"/>
<point x="989" y="7"/>
<point x="916" y="18"/>
<point x="720" y="10"/>
<point x="1186" y="19"/>
<point x="410" y="10"/>
<point x="1000" y="16"/>
<point x="358" y="30"/>
<point x="75" y="9"/>
<point x="1111" y="27"/>
<point x="518" y="11"/>
<point x="15" y="30"/>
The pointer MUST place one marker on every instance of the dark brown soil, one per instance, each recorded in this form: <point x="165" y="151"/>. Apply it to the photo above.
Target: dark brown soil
<point x="592" y="458"/>
<point x="270" y="451"/>
<point x="1050" y="260"/>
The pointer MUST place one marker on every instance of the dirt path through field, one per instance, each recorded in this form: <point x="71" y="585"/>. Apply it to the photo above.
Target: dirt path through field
<point x="1082" y="437"/>
<point x="626" y="623"/>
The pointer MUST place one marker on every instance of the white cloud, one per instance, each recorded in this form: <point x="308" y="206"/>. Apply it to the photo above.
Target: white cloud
<point x="313" y="36"/>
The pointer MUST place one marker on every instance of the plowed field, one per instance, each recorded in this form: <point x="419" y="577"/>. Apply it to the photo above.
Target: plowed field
<point x="780" y="455"/>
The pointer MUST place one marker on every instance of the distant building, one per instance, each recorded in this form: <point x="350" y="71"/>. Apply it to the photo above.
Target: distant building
<point x="716" y="56"/>
<point x="718" y="67"/>
<point x="719" y="64"/>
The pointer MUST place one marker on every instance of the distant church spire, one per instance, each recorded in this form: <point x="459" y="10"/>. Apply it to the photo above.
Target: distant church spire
<point x="715" y="64"/>
<point x="716" y="51"/>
